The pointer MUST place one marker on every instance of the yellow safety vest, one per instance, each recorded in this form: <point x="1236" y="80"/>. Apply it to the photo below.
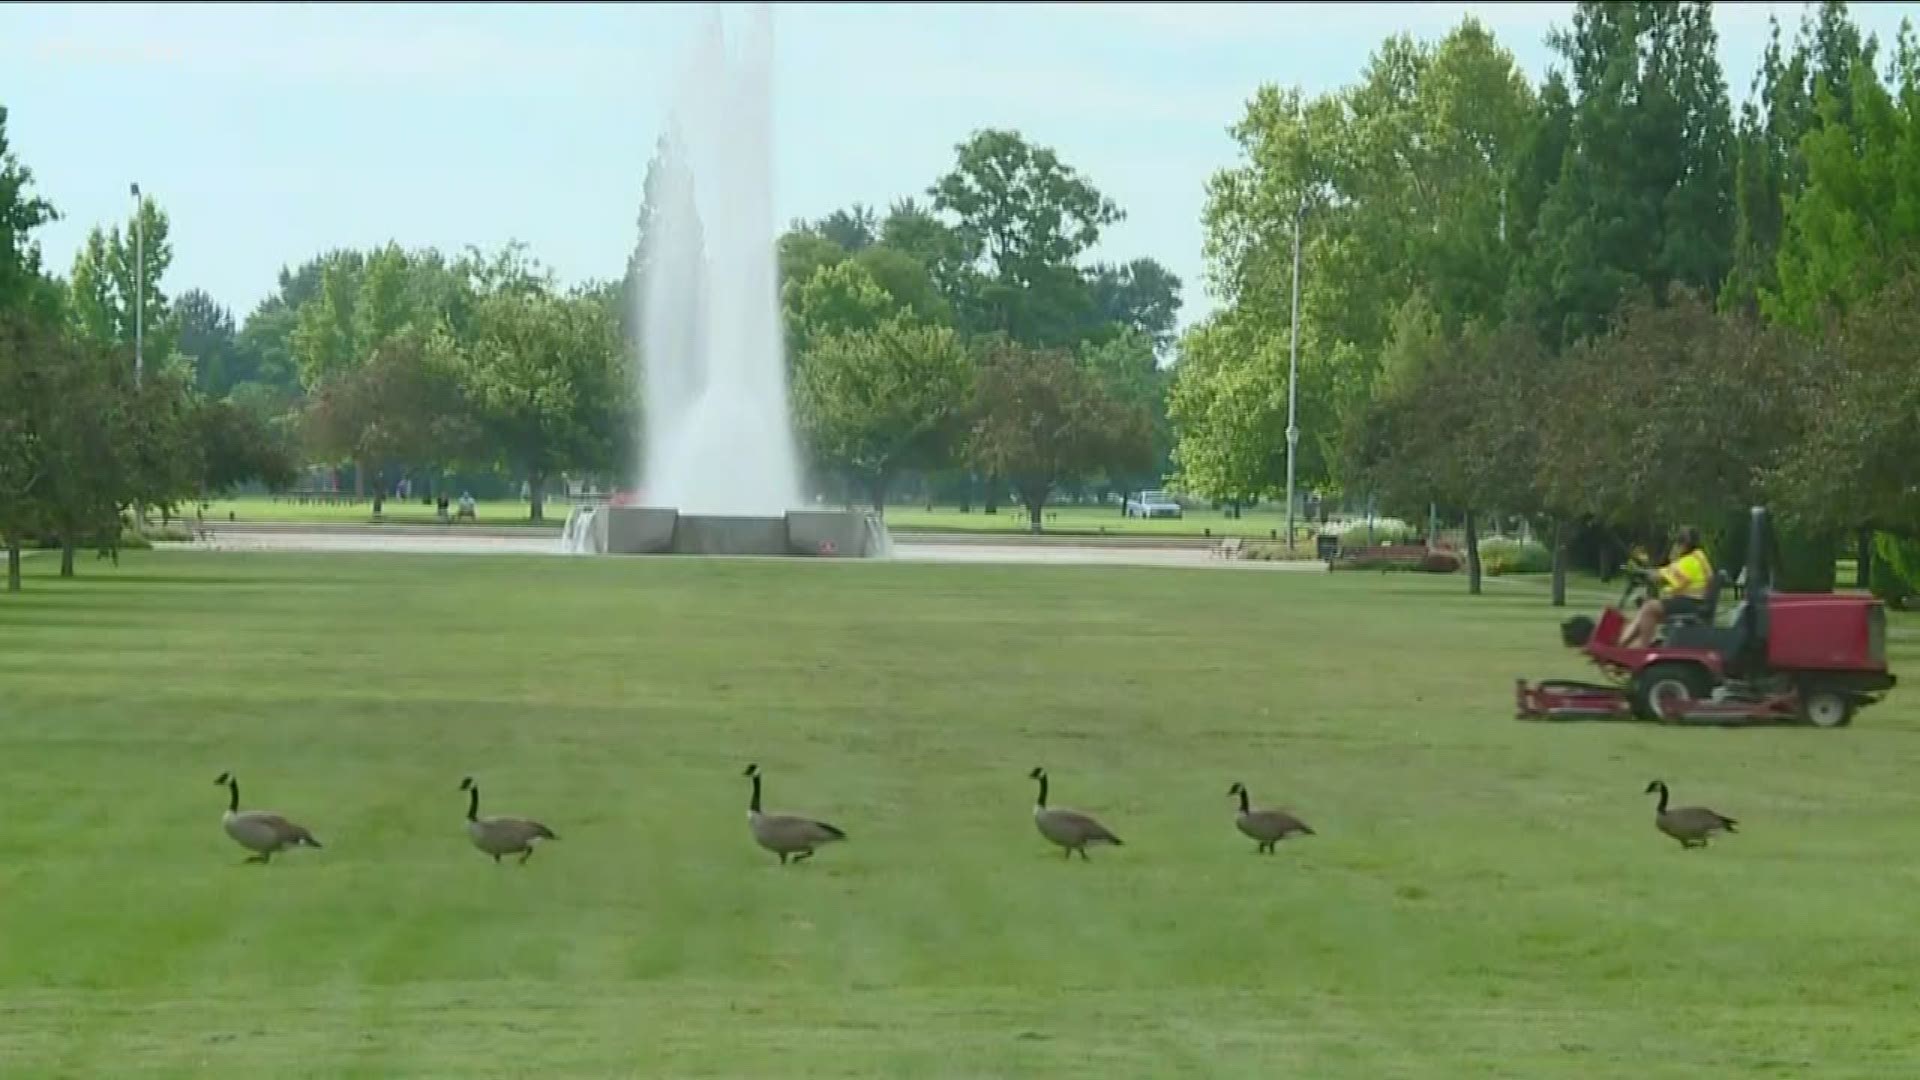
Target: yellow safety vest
<point x="1687" y="575"/>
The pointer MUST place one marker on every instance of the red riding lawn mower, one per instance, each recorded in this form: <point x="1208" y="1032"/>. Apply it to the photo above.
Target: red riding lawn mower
<point x="1786" y="658"/>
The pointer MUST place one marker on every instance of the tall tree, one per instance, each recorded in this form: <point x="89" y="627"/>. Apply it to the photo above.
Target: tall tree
<point x="1644" y="199"/>
<point x="1140" y="296"/>
<point x="1126" y="367"/>
<point x="1403" y="182"/>
<point x="1722" y="393"/>
<point x="875" y="400"/>
<point x="1023" y="218"/>
<point x="1852" y="228"/>
<point x="90" y="459"/>
<point x="1447" y="393"/>
<point x="237" y="447"/>
<point x="21" y="212"/>
<point x="853" y="230"/>
<point x="837" y="299"/>
<point x="29" y="400"/>
<point x="548" y="386"/>
<point x="208" y="338"/>
<point x="104" y="307"/>
<point x="914" y="229"/>
<point x="1853" y="467"/>
<point x="1041" y="420"/>
<point x="404" y="404"/>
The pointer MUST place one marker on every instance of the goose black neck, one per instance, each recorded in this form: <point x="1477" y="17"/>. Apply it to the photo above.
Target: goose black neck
<point x="233" y="795"/>
<point x="1662" y="808"/>
<point x="1244" y="805"/>
<point x="754" y="805"/>
<point x="473" y="802"/>
<point x="1043" y="791"/>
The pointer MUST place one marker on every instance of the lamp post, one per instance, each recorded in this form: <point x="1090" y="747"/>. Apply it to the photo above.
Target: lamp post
<point x="139" y="286"/>
<point x="139" y="315"/>
<point x="1293" y="368"/>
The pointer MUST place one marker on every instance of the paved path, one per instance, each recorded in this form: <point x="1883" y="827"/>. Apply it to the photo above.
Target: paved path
<point x="475" y="541"/>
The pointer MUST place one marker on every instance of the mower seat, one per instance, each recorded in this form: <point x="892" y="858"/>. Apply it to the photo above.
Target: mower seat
<point x="1707" y="612"/>
<point x="1701" y="633"/>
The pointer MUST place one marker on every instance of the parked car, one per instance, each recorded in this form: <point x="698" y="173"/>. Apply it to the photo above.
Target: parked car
<point x="1152" y="504"/>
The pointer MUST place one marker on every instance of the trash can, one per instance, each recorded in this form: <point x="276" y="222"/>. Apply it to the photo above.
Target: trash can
<point x="1326" y="546"/>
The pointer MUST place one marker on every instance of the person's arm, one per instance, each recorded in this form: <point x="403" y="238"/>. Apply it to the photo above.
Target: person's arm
<point x="1670" y="576"/>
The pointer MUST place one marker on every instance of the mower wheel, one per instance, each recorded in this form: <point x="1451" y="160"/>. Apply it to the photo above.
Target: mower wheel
<point x="1825" y="707"/>
<point x="1668" y="682"/>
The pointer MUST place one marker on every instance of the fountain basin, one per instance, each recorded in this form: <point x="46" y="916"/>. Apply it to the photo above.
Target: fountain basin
<point x="656" y="530"/>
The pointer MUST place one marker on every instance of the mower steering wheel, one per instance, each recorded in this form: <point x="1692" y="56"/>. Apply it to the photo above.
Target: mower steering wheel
<point x="1636" y="582"/>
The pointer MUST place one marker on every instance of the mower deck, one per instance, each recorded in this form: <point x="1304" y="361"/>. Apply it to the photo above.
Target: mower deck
<point x="1561" y="699"/>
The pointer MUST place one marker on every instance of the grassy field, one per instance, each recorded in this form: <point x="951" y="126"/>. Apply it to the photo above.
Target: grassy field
<point x="1485" y="898"/>
<point x="1065" y="519"/>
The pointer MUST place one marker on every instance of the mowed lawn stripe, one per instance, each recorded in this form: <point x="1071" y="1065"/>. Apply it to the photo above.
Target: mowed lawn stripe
<point x="1484" y="897"/>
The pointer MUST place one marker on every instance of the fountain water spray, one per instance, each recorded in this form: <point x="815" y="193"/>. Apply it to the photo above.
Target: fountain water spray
<point x="719" y="465"/>
<point x="719" y="431"/>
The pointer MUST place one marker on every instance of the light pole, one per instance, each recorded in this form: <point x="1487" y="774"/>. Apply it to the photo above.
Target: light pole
<point x="139" y="286"/>
<point x="139" y="315"/>
<point x="1293" y="368"/>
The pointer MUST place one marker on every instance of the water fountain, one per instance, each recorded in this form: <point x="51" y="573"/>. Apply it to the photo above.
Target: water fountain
<point x="719" y="466"/>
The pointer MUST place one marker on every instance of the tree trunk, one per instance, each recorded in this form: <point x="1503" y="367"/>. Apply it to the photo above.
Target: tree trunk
<point x="1863" y="560"/>
<point x="1034" y="509"/>
<point x="1559" y="538"/>
<point x="1473" y="556"/>
<point x="66" y="555"/>
<point x="537" y="496"/>
<point x="990" y="498"/>
<point x="877" y="492"/>
<point x="13" y="564"/>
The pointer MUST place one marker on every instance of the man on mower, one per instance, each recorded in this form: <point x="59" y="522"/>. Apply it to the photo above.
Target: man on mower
<point x="1683" y="585"/>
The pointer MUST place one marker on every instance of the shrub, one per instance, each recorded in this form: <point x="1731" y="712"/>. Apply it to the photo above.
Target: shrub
<point x="1433" y="562"/>
<point x="1384" y="532"/>
<point x="1895" y="577"/>
<point x="1514" y="557"/>
<point x="1277" y="552"/>
<point x="175" y="532"/>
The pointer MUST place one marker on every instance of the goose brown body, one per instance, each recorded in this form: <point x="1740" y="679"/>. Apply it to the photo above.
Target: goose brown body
<point x="1690" y="825"/>
<point x="786" y="835"/>
<point x="1266" y="827"/>
<point x="497" y="836"/>
<point x="1071" y="830"/>
<point x="262" y="832"/>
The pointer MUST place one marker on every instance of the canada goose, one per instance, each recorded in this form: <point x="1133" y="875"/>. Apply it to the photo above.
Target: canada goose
<point x="786" y="834"/>
<point x="1691" y="825"/>
<point x="499" y="836"/>
<point x="259" y="831"/>
<point x="1269" y="827"/>
<point x="1070" y="829"/>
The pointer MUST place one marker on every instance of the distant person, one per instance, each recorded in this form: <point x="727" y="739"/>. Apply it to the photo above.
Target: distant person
<point x="440" y="505"/>
<point x="1683" y="583"/>
<point x="467" y="507"/>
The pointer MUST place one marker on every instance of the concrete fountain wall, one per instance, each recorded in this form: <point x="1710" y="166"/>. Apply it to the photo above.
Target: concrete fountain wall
<point x="653" y="530"/>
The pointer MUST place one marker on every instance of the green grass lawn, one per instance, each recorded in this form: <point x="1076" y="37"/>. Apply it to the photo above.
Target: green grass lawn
<point x="1485" y="898"/>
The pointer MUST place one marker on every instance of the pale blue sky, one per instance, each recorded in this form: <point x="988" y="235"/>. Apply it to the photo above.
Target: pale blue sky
<point x="272" y="132"/>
